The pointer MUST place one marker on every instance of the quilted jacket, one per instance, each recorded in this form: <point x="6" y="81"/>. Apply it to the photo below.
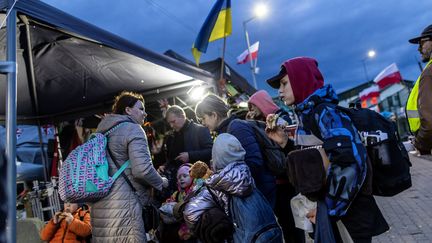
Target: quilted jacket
<point x="118" y="216"/>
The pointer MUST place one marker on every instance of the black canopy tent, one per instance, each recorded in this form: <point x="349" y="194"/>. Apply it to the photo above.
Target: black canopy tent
<point x="68" y="68"/>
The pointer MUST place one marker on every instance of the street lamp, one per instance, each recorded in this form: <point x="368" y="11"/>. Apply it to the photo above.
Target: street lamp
<point x="370" y="54"/>
<point x="260" y="11"/>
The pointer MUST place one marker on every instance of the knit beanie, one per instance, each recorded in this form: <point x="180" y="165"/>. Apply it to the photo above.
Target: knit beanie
<point x="264" y="102"/>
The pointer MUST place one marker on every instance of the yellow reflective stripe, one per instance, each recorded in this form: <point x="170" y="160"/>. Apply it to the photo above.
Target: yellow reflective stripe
<point x="412" y="114"/>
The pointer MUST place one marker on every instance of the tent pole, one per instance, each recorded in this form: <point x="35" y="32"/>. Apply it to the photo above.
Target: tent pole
<point x="32" y="83"/>
<point x="11" y="113"/>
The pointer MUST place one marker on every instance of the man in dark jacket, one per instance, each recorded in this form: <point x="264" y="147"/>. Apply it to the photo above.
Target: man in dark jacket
<point x="419" y="105"/>
<point x="187" y="143"/>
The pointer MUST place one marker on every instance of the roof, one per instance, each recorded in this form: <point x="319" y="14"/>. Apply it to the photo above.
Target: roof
<point x="214" y="67"/>
<point x="230" y="74"/>
<point x="78" y="67"/>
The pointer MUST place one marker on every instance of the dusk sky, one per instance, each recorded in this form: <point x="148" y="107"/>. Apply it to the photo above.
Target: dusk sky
<point x="338" y="33"/>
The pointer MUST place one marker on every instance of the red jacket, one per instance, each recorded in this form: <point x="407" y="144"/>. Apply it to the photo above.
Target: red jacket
<point x="75" y="232"/>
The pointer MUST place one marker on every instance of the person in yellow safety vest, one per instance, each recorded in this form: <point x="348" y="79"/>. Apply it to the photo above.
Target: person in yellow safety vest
<point x="419" y="105"/>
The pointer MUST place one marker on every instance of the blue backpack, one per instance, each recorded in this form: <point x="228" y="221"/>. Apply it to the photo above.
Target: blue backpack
<point x="254" y="220"/>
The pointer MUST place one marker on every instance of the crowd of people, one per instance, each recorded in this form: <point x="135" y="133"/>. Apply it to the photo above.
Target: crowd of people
<point x="215" y="184"/>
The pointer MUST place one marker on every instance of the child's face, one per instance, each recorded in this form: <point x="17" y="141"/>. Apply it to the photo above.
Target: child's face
<point x="70" y="207"/>
<point x="183" y="180"/>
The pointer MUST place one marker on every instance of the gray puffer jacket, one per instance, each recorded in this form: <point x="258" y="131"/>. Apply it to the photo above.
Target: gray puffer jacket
<point x="235" y="179"/>
<point x="118" y="216"/>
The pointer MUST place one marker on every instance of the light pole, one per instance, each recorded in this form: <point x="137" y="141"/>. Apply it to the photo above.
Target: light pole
<point x="260" y="11"/>
<point x="370" y="54"/>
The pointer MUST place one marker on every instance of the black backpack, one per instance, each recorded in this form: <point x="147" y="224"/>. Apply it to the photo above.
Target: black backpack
<point x="388" y="156"/>
<point x="272" y="153"/>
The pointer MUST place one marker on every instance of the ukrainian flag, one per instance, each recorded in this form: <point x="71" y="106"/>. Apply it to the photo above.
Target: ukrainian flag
<point x="216" y="26"/>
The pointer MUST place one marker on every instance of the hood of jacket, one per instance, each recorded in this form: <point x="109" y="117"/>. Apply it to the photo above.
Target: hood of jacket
<point x="111" y="120"/>
<point x="235" y="179"/>
<point x="264" y="102"/>
<point x="304" y="76"/>
<point x="325" y="94"/>
<point x="226" y="149"/>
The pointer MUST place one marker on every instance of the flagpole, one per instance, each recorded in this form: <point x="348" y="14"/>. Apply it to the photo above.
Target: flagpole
<point x="223" y="59"/>
<point x="249" y="52"/>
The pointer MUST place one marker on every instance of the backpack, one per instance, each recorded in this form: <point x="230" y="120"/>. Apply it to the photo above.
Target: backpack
<point x="272" y="153"/>
<point x="84" y="175"/>
<point x="388" y="156"/>
<point x="253" y="219"/>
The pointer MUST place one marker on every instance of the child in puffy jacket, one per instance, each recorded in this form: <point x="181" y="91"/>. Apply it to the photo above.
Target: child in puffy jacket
<point x="71" y="225"/>
<point x="172" y="230"/>
<point x="233" y="189"/>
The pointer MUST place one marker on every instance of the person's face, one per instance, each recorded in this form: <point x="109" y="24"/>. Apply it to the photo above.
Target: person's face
<point x="210" y="121"/>
<point x="175" y="121"/>
<point x="70" y="207"/>
<point x="285" y="91"/>
<point x="184" y="180"/>
<point x="137" y="112"/>
<point x="425" y="48"/>
<point x="255" y="112"/>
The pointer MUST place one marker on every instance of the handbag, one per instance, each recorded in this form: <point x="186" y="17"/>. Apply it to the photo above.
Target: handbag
<point x="150" y="213"/>
<point x="151" y="217"/>
<point x="307" y="170"/>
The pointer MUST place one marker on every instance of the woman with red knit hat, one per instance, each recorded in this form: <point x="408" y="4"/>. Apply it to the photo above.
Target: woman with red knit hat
<point x="348" y="196"/>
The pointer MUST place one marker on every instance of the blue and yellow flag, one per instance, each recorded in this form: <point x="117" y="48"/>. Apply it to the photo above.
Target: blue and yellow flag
<point x="217" y="25"/>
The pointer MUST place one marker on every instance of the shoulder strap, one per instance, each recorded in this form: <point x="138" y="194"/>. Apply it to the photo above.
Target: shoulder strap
<point x="120" y="169"/>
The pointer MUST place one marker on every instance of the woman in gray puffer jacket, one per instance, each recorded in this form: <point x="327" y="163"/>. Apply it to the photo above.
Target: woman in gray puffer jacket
<point x="235" y="190"/>
<point x="118" y="216"/>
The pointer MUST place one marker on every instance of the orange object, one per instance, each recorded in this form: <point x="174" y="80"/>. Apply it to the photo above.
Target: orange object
<point x="74" y="232"/>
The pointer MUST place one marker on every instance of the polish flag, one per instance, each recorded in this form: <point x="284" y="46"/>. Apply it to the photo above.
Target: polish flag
<point x="244" y="57"/>
<point x="371" y="92"/>
<point x="390" y="75"/>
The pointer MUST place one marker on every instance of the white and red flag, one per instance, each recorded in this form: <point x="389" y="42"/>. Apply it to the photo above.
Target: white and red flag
<point x="244" y="57"/>
<point x="372" y="91"/>
<point x="390" y="75"/>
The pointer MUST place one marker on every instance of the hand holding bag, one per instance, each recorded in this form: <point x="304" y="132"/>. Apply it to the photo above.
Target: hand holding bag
<point x="307" y="170"/>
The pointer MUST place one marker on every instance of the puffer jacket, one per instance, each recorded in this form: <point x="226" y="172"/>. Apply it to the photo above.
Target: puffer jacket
<point x="74" y="232"/>
<point x="235" y="179"/>
<point x="118" y="216"/>
<point x="255" y="223"/>
<point x="264" y="179"/>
